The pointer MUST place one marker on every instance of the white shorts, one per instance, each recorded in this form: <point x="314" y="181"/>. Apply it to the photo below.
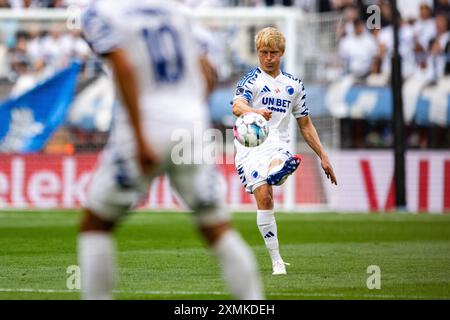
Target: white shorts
<point x="119" y="184"/>
<point x="253" y="169"/>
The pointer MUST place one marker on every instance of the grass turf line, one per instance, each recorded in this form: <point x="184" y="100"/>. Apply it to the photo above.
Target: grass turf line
<point x="162" y="257"/>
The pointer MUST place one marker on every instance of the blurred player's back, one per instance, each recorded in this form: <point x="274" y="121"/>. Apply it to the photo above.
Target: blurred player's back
<point x="159" y="44"/>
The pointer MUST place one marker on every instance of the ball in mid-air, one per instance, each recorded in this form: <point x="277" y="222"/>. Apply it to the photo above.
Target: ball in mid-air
<point x="251" y="129"/>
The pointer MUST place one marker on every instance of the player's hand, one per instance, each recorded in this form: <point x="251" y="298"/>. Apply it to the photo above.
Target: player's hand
<point x="147" y="158"/>
<point x="267" y="114"/>
<point x="328" y="169"/>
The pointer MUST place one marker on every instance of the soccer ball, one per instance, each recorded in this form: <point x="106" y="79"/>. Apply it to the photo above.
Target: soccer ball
<point x="251" y="129"/>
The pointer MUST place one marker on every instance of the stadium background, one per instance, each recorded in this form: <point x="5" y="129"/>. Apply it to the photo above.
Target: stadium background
<point x="348" y="93"/>
<point x="55" y="116"/>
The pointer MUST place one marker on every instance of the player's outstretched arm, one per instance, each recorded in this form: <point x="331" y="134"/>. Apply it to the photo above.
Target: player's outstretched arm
<point x="209" y="74"/>
<point x="127" y="84"/>
<point x="309" y="132"/>
<point x="240" y="106"/>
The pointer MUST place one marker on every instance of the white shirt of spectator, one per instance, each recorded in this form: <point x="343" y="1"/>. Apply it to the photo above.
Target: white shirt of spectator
<point x="78" y="3"/>
<point x="357" y="53"/>
<point x="3" y="61"/>
<point x="203" y="3"/>
<point x="23" y="84"/>
<point x="55" y="51"/>
<point x="409" y="9"/>
<point x="80" y="48"/>
<point x="424" y="31"/>
<point x="443" y="40"/>
<point x="18" y="4"/>
<point x="406" y="48"/>
<point x="34" y="49"/>
<point x="349" y="28"/>
<point x="441" y="59"/>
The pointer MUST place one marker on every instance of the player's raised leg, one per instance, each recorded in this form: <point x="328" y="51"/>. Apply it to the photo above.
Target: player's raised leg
<point x="282" y="167"/>
<point x="267" y="225"/>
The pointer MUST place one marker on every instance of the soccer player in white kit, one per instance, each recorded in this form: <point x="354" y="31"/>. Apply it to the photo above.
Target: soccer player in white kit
<point x="276" y="95"/>
<point x="162" y="83"/>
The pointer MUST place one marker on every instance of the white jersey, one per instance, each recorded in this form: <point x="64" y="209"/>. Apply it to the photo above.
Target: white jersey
<point x="283" y="95"/>
<point x="158" y="41"/>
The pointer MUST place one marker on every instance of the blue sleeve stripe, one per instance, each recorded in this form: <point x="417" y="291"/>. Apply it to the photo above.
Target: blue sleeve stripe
<point x="98" y="32"/>
<point x="248" y="96"/>
<point x="305" y="112"/>
<point x="248" y="76"/>
<point x="245" y="79"/>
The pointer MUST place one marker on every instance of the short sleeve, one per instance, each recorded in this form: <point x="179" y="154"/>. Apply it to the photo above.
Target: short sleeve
<point x="245" y="92"/>
<point x="300" y="109"/>
<point x="246" y="87"/>
<point x="99" y="32"/>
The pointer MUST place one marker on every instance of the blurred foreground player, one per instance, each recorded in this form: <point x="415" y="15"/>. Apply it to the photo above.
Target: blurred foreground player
<point x="277" y="96"/>
<point x="161" y="82"/>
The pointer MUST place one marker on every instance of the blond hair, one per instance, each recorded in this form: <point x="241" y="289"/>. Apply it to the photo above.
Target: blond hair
<point x="270" y="37"/>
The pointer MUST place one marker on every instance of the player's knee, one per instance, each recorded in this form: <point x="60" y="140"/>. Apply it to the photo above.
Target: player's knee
<point x="212" y="233"/>
<point x="92" y="222"/>
<point x="275" y="162"/>
<point x="265" y="202"/>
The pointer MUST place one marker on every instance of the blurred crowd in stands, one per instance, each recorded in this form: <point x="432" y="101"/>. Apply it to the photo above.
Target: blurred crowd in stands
<point x="424" y="41"/>
<point x="364" y="49"/>
<point x="23" y="4"/>
<point x="37" y="55"/>
<point x="31" y="53"/>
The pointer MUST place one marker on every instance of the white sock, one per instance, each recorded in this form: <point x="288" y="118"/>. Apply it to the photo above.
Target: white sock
<point x="267" y="225"/>
<point x="96" y="251"/>
<point x="238" y="267"/>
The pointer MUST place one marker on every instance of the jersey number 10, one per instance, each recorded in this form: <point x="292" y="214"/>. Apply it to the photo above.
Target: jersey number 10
<point x="166" y="56"/>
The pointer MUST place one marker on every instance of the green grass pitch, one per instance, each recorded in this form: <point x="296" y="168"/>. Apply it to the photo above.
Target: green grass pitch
<point x="161" y="256"/>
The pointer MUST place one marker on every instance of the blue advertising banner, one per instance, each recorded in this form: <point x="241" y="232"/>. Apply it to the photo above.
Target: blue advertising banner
<point x="423" y="104"/>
